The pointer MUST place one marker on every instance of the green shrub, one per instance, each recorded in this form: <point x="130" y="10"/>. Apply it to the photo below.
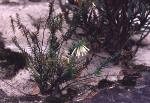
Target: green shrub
<point x="52" y="70"/>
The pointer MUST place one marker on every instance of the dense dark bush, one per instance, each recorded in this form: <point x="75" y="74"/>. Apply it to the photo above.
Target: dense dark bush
<point x="110" y="24"/>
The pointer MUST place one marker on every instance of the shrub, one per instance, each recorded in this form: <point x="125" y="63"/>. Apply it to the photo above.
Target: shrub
<point x="54" y="72"/>
<point x="110" y="24"/>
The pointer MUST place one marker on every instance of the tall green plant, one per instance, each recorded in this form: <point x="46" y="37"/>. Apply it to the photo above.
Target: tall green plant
<point x="52" y="71"/>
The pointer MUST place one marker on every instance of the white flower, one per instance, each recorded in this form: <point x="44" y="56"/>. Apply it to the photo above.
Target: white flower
<point x="80" y="51"/>
<point x="93" y="4"/>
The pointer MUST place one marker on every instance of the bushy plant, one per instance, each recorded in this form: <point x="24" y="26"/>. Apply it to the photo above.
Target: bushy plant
<point x="54" y="72"/>
<point x="110" y="24"/>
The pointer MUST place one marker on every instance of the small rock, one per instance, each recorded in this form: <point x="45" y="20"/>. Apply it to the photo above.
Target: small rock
<point x="105" y="84"/>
